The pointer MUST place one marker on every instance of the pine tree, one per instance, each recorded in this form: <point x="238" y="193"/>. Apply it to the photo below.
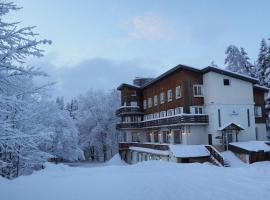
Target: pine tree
<point x="262" y="64"/>
<point x="246" y="67"/>
<point x="60" y="103"/>
<point x="233" y="59"/>
<point x="238" y="61"/>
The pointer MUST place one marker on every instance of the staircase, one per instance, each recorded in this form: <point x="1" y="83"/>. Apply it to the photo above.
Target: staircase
<point x="215" y="157"/>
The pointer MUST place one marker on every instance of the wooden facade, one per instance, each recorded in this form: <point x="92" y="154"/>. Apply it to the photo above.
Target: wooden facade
<point x="259" y="100"/>
<point x="183" y="78"/>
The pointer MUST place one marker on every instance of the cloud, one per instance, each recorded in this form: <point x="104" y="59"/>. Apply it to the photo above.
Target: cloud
<point x="95" y="73"/>
<point x="149" y="26"/>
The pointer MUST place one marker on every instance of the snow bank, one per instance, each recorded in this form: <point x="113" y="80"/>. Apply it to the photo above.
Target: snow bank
<point x="184" y="151"/>
<point x="232" y="159"/>
<point x="252" y="145"/>
<point x="115" y="160"/>
<point x="148" y="180"/>
<point x="148" y="150"/>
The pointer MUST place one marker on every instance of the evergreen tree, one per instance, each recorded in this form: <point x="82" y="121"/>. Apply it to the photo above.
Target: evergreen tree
<point x="238" y="61"/>
<point x="60" y="103"/>
<point x="262" y="64"/>
<point x="246" y="67"/>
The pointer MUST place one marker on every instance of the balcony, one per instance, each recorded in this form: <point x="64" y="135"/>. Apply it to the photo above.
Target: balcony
<point x="133" y="110"/>
<point x="166" y="121"/>
<point x="126" y="145"/>
<point x="128" y="125"/>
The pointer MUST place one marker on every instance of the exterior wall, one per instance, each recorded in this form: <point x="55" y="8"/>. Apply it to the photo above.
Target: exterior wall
<point x="233" y="107"/>
<point x="198" y="135"/>
<point x="127" y="97"/>
<point x="261" y="131"/>
<point x="184" y="78"/>
<point x="260" y="101"/>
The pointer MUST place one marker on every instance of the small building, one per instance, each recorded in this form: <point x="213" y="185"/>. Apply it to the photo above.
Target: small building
<point x="251" y="151"/>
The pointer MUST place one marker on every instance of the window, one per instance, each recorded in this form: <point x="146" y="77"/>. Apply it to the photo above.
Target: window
<point x="133" y="103"/>
<point x="170" y="112"/>
<point x="178" y="110"/>
<point x="133" y="93"/>
<point x="258" y="111"/>
<point x="196" y="110"/>
<point x="156" y="115"/>
<point x="155" y="100"/>
<point x="248" y="118"/>
<point x="144" y="104"/>
<point x="163" y="114"/>
<point x="144" y="117"/>
<point x="226" y="82"/>
<point x="161" y="98"/>
<point x="169" y="95"/>
<point x="149" y="102"/>
<point x="197" y="91"/>
<point x="219" y="118"/>
<point x="150" y="116"/>
<point x="178" y="92"/>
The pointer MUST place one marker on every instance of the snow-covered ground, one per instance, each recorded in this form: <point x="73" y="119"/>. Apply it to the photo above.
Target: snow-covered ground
<point x="232" y="159"/>
<point x="148" y="180"/>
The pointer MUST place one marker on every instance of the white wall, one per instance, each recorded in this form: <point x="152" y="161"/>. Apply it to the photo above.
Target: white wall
<point x="198" y="135"/>
<point x="262" y="134"/>
<point x="233" y="102"/>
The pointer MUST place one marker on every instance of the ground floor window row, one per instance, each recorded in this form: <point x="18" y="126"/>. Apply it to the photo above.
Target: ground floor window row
<point x="175" y="136"/>
<point x="141" y="156"/>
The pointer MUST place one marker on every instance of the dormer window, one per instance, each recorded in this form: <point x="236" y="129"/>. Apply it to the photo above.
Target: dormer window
<point x="226" y="82"/>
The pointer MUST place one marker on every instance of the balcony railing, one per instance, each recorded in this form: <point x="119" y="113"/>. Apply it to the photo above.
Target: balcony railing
<point x="128" y="125"/>
<point x="128" y="110"/>
<point x="167" y="121"/>
<point x="126" y="145"/>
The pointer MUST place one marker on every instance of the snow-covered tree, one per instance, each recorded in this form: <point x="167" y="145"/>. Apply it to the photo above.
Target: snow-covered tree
<point x="263" y="63"/>
<point x="31" y="129"/>
<point x="213" y="64"/>
<point x="72" y="108"/>
<point x="238" y="61"/>
<point x="96" y="122"/>
<point x="63" y="132"/>
<point x="60" y="103"/>
<point x="17" y="92"/>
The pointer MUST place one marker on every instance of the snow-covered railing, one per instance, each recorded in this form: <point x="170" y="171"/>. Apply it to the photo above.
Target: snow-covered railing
<point x="177" y="119"/>
<point x="128" y="109"/>
<point x="215" y="154"/>
<point x="127" y="145"/>
<point x="167" y="121"/>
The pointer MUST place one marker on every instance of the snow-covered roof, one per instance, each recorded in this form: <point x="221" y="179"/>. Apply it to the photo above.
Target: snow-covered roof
<point x="230" y="73"/>
<point x="189" y="151"/>
<point x="261" y="87"/>
<point x="229" y="124"/>
<point x="194" y="69"/>
<point x="252" y="145"/>
<point x="148" y="150"/>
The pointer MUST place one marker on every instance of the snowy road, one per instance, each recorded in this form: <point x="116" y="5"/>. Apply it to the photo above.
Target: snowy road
<point x="149" y="180"/>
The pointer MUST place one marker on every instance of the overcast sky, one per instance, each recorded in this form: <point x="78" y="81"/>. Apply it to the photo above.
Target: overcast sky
<point x="99" y="44"/>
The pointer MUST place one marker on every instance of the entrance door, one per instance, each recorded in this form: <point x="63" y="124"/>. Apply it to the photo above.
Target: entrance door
<point x="210" y="139"/>
<point x="227" y="139"/>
